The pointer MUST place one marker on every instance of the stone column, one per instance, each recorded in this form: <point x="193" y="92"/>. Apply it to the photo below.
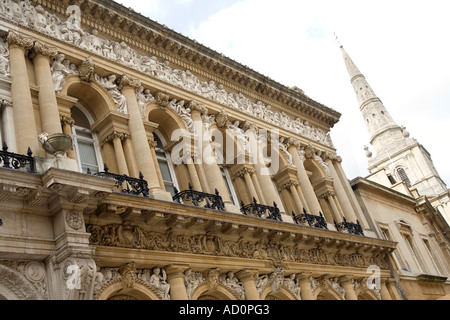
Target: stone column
<point x="384" y="291"/>
<point x="310" y="196"/>
<point x="347" y="284"/>
<point x="305" y="287"/>
<point x="202" y="176"/>
<point x="67" y="123"/>
<point x="246" y="173"/>
<point x="129" y="156"/>
<point x="48" y="106"/>
<point x="270" y="193"/>
<point x="116" y="138"/>
<point x="143" y="155"/>
<point x="302" y="198"/>
<point x="296" y="196"/>
<point x="24" y="120"/>
<point x="340" y="192"/>
<point x="8" y="125"/>
<point x="175" y="277"/>
<point x="256" y="184"/>
<point x="334" y="207"/>
<point x="195" y="180"/>
<point x="109" y="153"/>
<point x="199" y="143"/>
<point x="350" y="194"/>
<point x="247" y="277"/>
<point x="153" y="144"/>
<point x="241" y="188"/>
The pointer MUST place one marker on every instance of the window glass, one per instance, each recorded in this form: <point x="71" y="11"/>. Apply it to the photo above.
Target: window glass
<point x="165" y="166"/>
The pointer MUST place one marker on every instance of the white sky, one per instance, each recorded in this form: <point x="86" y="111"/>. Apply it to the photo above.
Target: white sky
<point x="402" y="47"/>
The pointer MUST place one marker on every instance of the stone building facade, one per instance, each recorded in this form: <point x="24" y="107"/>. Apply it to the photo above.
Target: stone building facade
<point x="138" y="164"/>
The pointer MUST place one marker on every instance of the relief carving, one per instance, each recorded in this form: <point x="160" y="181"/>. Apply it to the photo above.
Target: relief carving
<point x="135" y="237"/>
<point x="71" y="31"/>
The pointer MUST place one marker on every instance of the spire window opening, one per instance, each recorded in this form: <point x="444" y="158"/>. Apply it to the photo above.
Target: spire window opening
<point x="401" y="173"/>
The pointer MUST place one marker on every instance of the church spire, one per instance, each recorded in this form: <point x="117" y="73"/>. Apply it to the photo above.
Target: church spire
<point x="383" y="131"/>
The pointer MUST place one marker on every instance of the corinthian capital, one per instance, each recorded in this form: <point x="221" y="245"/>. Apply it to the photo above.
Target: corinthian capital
<point x="196" y="106"/>
<point x="19" y="40"/>
<point x="41" y="49"/>
<point x="127" y="81"/>
<point x="293" y="143"/>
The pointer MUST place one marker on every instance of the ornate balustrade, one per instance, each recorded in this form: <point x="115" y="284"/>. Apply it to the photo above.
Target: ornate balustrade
<point x="213" y="201"/>
<point x="17" y="161"/>
<point x="261" y="211"/>
<point x="133" y="186"/>
<point x="312" y="220"/>
<point x="350" y="227"/>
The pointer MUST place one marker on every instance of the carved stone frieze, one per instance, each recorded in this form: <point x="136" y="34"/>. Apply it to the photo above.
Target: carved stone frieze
<point x="129" y="276"/>
<point x="205" y="244"/>
<point x="27" y="279"/>
<point x="120" y="52"/>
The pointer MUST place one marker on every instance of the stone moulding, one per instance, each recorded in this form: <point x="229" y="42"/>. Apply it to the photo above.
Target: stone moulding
<point x="71" y="33"/>
<point x="134" y="237"/>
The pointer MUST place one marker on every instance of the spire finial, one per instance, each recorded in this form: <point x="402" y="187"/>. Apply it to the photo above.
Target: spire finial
<point x="337" y="40"/>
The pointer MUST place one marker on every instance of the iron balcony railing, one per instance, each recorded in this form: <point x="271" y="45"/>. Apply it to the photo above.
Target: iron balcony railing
<point x="129" y="185"/>
<point x="213" y="201"/>
<point x="312" y="220"/>
<point x="350" y="227"/>
<point x="16" y="161"/>
<point x="261" y="211"/>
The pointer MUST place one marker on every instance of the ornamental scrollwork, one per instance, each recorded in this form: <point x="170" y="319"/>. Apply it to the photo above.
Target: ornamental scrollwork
<point x="135" y="237"/>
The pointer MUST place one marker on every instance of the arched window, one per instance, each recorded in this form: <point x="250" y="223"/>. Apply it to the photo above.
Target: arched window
<point x="165" y="166"/>
<point x="86" y="142"/>
<point x="401" y="173"/>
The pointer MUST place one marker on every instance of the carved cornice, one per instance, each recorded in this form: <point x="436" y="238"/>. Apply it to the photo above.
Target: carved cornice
<point x="206" y="244"/>
<point x="123" y="24"/>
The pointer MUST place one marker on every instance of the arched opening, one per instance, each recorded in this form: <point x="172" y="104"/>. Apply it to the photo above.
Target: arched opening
<point x="327" y="295"/>
<point x="367" y="295"/>
<point x="203" y="292"/>
<point x="117" y="291"/>
<point x="401" y="174"/>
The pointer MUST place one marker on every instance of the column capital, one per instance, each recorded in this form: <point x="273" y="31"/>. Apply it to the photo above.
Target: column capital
<point x="344" y="280"/>
<point x="16" y="39"/>
<point x="243" y="172"/>
<point x="304" y="277"/>
<point x="290" y="142"/>
<point x="247" y="274"/>
<point x="44" y="50"/>
<point x="176" y="270"/>
<point x="128" y="81"/>
<point x="115" y="135"/>
<point x="197" y="107"/>
<point x="249" y="125"/>
<point x="5" y="103"/>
